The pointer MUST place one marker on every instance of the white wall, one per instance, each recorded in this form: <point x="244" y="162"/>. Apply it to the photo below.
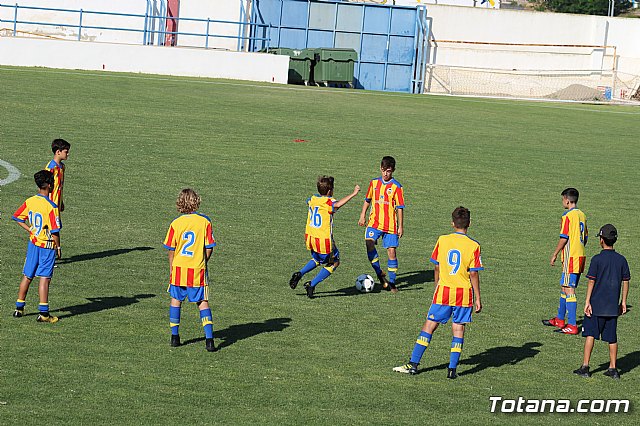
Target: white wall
<point x="225" y="10"/>
<point x="466" y="3"/>
<point x="65" y="54"/>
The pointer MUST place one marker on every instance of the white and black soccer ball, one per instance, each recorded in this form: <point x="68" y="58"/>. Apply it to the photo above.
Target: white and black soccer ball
<point x="365" y="283"/>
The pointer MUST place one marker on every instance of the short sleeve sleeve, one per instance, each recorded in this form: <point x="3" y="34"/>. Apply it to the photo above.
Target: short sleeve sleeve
<point x="170" y="240"/>
<point x="626" y="274"/>
<point x="564" y="227"/>
<point x="210" y="242"/>
<point x="54" y="220"/>
<point x="592" y="273"/>
<point x="476" y="261"/>
<point x="399" y="198"/>
<point x="369" y="195"/>
<point x="434" y="254"/>
<point x="21" y="214"/>
<point x="331" y="205"/>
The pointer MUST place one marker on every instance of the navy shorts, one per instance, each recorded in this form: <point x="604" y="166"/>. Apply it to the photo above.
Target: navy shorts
<point x="602" y="328"/>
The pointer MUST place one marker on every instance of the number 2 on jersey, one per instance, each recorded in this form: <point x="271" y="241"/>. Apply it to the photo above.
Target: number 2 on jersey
<point x="190" y="238"/>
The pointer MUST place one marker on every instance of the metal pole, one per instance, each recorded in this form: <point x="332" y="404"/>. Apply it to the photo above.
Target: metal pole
<point x="206" y="43"/>
<point x="15" y="21"/>
<point x="80" y="26"/>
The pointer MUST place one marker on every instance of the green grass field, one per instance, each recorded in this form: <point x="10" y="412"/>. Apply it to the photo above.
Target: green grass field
<point x="137" y="140"/>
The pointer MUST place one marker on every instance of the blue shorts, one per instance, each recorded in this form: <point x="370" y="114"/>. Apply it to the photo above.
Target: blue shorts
<point x="39" y="262"/>
<point x="602" y="328"/>
<point x="326" y="259"/>
<point x="388" y="240"/>
<point x="442" y="313"/>
<point x="195" y="294"/>
<point x="569" y="280"/>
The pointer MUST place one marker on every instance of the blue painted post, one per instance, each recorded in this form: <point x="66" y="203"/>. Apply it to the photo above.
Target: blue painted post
<point x="146" y="24"/>
<point x="386" y="56"/>
<point x="80" y="26"/>
<point x="364" y="11"/>
<point x="206" y="43"/>
<point x="15" y="20"/>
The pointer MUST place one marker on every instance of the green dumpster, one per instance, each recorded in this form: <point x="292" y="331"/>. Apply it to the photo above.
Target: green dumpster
<point x="299" y="63"/>
<point x="334" y="66"/>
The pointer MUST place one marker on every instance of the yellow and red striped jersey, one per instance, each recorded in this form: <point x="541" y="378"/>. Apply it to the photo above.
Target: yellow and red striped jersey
<point x="318" y="233"/>
<point x="58" y="181"/>
<point x="385" y="198"/>
<point x="457" y="254"/>
<point x="43" y="219"/>
<point x="189" y="235"/>
<point x="573" y="227"/>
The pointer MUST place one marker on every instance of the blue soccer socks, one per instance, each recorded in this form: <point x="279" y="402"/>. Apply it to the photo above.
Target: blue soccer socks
<point x="375" y="261"/>
<point x="392" y="267"/>
<point x="456" y="351"/>
<point x="43" y="309"/>
<point x="207" y="322"/>
<point x="572" y="306"/>
<point x="20" y="304"/>
<point x="174" y="319"/>
<point x="421" y="345"/>
<point x="562" y="307"/>
<point x="310" y="266"/>
<point x="322" y="275"/>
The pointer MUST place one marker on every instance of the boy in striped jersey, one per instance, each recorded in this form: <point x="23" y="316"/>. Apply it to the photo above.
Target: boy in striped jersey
<point x="386" y="198"/>
<point x="319" y="234"/>
<point x="190" y="243"/>
<point x="457" y="261"/>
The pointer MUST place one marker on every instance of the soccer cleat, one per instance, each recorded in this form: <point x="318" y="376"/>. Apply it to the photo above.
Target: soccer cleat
<point x="310" y="289"/>
<point x="383" y="281"/>
<point x="18" y="313"/>
<point x="295" y="278"/>
<point x="409" y="368"/>
<point x="451" y="373"/>
<point x="554" y="322"/>
<point x="49" y="318"/>
<point x="583" y="371"/>
<point x="613" y="373"/>
<point x="393" y="288"/>
<point x="211" y="347"/>
<point x="568" y="329"/>
<point x="175" y="340"/>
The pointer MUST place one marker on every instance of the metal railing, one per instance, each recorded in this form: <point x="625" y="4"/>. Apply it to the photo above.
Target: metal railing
<point x="154" y="25"/>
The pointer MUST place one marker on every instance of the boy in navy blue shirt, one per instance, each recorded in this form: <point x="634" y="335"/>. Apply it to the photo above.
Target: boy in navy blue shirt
<point x="608" y="276"/>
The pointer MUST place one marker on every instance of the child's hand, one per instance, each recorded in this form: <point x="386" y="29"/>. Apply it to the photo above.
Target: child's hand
<point x="623" y="308"/>
<point x="478" y="306"/>
<point x="587" y="309"/>
<point x="356" y="189"/>
<point x="361" y="221"/>
<point x="59" y="253"/>
<point x="553" y="259"/>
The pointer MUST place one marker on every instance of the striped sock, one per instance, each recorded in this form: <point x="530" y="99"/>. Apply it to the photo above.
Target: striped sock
<point x="43" y="308"/>
<point x="421" y="345"/>
<point x="562" y="308"/>
<point x="375" y="261"/>
<point x="310" y="266"/>
<point x="322" y="275"/>
<point x="207" y="322"/>
<point x="392" y="267"/>
<point x="456" y="350"/>
<point x="20" y="304"/>
<point x="572" y="307"/>
<point x="174" y="319"/>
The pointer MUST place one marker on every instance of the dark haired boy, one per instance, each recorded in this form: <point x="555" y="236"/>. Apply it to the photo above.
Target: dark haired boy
<point x="573" y="238"/>
<point x="457" y="261"/>
<point x="39" y="216"/>
<point x="319" y="234"/>
<point x="386" y="198"/>
<point x="608" y="277"/>
<point x="60" y="148"/>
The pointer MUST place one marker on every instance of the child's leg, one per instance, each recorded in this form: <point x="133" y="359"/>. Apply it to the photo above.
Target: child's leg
<point x="588" y="348"/>
<point x="310" y="266"/>
<point x="324" y="273"/>
<point x="423" y="340"/>
<point x="22" y="293"/>
<point x="613" y="354"/>
<point x="43" y="290"/>
<point x="562" y="307"/>
<point x="572" y="305"/>
<point x="174" y="316"/>
<point x="372" y="254"/>
<point x="456" y="344"/>
<point x="392" y="266"/>
<point x="206" y="318"/>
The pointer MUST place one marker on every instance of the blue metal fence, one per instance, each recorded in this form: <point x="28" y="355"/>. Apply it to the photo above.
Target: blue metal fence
<point x="153" y="25"/>
<point x="390" y="40"/>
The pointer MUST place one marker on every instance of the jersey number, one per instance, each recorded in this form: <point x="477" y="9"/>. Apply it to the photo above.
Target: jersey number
<point x="582" y="232"/>
<point x="35" y="219"/>
<point x="315" y="220"/>
<point x="453" y="258"/>
<point x="190" y="238"/>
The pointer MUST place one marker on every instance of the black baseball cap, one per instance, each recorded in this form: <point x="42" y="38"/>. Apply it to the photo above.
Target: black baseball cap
<point x="609" y="232"/>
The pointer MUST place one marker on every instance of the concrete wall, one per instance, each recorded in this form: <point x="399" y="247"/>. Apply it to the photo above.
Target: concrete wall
<point x="227" y="10"/>
<point x="19" y="51"/>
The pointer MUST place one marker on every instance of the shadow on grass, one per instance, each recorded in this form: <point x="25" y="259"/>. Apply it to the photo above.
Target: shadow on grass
<point x="409" y="279"/>
<point x="98" y="304"/>
<point x="235" y="333"/>
<point x="624" y="364"/>
<point x="100" y="255"/>
<point x="403" y="282"/>
<point x="494" y="357"/>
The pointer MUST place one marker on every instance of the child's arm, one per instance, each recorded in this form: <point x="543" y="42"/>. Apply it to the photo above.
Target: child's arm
<point x="365" y="207"/>
<point x="24" y="226"/>
<point x="475" y="283"/>
<point x="56" y="239"/>
<point x="400" y="222"/>
<point x="587" y="299"/>
<point x="559" y="247"/>
<point x="346" y="199"/>
<point x="207" y="253"/>
<point x="625" y="292"/>
<point x="171" y="253"/>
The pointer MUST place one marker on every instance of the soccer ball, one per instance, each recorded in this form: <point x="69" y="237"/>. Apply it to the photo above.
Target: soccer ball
<point x="365" y="283"/>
